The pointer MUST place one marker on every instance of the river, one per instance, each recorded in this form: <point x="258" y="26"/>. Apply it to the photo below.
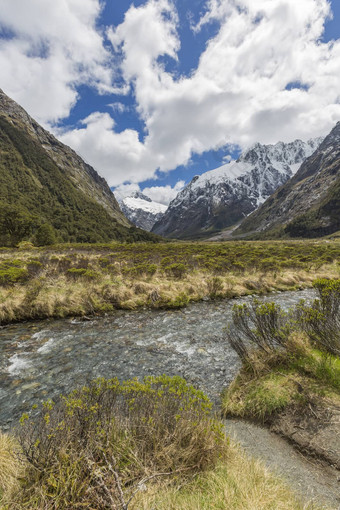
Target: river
<point x="40" y="360"/>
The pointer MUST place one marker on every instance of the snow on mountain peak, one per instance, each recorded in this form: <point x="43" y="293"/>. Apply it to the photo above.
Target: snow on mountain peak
<point x="141" y="210"/>
<point x="221" y="197"/>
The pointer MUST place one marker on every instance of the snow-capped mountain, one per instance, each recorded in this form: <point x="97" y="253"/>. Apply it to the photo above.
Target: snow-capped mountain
<point x="308" y="205"/>
<point x="142" y="211"/>
<point x="222" y="197"/>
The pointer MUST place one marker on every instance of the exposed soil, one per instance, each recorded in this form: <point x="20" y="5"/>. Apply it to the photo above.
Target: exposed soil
<point x="309" y="478"/>
<point x="313" y="429"/>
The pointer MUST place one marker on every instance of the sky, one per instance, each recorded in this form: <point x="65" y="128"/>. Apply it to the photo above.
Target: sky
<point x="153" y="92"/>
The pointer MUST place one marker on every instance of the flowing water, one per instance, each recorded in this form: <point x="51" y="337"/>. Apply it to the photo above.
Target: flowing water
<point x="40" y="360"/>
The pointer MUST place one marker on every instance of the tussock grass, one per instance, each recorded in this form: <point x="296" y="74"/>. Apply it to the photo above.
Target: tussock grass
<point x="241" y="483"/>
<point x="287" y="358"/>
<point x="71" y="280"/>
<point x="11" y="466"/>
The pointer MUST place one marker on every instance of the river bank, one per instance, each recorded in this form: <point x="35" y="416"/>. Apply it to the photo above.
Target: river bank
<point x="80" y="280"/>
<point x="41" y="360"/>
<point x="290" y="376"/>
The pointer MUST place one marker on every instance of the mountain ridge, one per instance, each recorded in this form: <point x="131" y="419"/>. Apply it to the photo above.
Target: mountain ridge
<point x="307" y="205"/>
<point x="222" y="197"/>
<point x="44" y="182"/>
<point x="141" y="210"/>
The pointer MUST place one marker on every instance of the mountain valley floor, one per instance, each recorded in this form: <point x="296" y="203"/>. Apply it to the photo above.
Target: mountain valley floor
<point x="80" y="279"/>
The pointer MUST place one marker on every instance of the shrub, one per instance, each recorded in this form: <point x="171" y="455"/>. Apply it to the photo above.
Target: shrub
<point x="259" y="325"/>
<point x="25" y="245"/>
<point x="45" y="235"/>
<point x="147" y="270"/>
<point x="215" y="286"/>
<point x="11" y="273"/>
<point x="34" y="267"/>
<point x="177" y="270"/>
<point x="75" y="273"/>
<point x="321" y="321"/>
<point x="97" y="446"/>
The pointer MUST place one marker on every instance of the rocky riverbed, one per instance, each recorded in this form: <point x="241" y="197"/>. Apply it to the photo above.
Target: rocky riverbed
<point x="40" y="360"/>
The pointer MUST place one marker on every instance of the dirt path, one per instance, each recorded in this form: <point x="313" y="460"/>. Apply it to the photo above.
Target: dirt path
<point x="313" y="481"/>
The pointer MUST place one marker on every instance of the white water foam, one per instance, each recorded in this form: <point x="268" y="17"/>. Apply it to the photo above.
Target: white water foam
<point x="40" y="334"/>
<point x="47" y="347"/>
<point x="18" y="364"/>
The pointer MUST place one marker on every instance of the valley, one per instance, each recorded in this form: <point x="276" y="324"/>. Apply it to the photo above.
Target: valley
<point x="129" y="346"/>
<point x="77" y="280"/>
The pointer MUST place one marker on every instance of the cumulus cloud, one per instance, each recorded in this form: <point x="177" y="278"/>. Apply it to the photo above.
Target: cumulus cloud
<point x="164" y="194"/>
<point x="54" y="47"/>
<point x="238" y="94"/>
<point x="160" y="194"/>
<point x="119" y="157"/>
<point x="125" y="190"/>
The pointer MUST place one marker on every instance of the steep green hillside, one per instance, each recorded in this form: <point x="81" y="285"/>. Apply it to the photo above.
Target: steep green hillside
<point x="40" y="201"/>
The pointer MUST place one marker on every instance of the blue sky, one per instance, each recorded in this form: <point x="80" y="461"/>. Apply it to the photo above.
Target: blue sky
<point x="153" y="92"/>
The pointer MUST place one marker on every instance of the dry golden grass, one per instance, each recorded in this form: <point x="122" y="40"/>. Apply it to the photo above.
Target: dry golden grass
<point x="241" y="483"/>
<point x="11" y="467"/>
<point x="113" y="282"/>
<point x="237" y="483"/>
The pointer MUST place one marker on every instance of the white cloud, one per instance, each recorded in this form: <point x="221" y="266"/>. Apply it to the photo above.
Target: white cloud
<point x="119" y="107"/>
<point x="164" y="194"/>
<point x="55" y="47"/>
<point x="160" y="194"/>
<point x="125" y="190"/>
<point x="236" y="95"/>
<point x="119" y="157"/>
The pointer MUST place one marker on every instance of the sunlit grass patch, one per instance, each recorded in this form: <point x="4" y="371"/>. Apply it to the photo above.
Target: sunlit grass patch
<point x="240" y="483"/>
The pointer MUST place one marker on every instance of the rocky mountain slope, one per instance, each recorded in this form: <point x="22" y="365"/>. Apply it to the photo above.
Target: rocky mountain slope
<point x="308" y="205"/>
<point x="44" y="182"/>
<point x="142" y="211"/>
<point x="224" y="196"/>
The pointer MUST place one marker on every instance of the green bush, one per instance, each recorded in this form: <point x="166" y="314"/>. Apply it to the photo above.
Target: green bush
<point x="215" y="286"/>
<point x="96" y="446"/>
<point x="176" y="270"/>
<point x="147" y="270"/>
<point x="321" y="320"/>
<point x="34" y="267"/>
<point x="259" y="325"/>
<point x="11" y="273"/>
<point x="45" y="235"/>
<point x="81" y="272"/>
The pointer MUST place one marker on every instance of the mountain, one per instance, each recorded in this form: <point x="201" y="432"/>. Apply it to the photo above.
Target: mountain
<point x="142" y="211"/>
<point x="45" y="184"/>
<point x="308" y="205"/>
<point x="222" y="197"/>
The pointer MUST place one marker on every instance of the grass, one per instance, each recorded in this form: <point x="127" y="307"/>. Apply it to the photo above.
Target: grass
<point x="270" y="382"/>
<point x="11" y="468"/>
<point x="80" y="279"/>
<point x="133" y="446"/>
<point x="241" y="483"/>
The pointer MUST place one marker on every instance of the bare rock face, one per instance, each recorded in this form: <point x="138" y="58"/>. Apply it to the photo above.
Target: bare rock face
<point x="142" y="211"/>
<point x="83" y="175"/>
<point x="308" y="205"/>
<point x="222" y="197"/>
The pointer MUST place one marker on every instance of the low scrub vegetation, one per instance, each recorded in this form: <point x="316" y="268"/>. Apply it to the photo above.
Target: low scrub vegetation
<point x="288" y="358"/>
<point x="87" y="279"/>
<point x="128" y="446"/>
<point x="99" y="446"/>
